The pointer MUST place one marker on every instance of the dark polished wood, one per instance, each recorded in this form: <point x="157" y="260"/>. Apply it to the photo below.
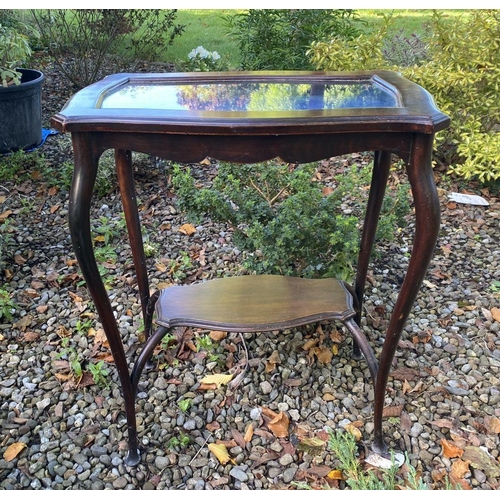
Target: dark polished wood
<point x="394" y="117"/>
<point x="254" y="303"/>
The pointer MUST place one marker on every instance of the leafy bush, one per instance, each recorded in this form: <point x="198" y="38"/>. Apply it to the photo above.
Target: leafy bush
<point x="87" y="44"/>
<point x="15" y="48"/>
<point x="284" y="220"/>
<point x="462" y="73"/>
<point x="277" y="39"/>
<point x="402" y="50"/>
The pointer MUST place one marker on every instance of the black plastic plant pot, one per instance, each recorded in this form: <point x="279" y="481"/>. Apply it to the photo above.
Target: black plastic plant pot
<point x="21" y="113"/>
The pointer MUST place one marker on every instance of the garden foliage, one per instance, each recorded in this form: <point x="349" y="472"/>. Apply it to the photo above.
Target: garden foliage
<point x="88" y="44"/>
<point x="277" y="39"/>
<point x="284" y="220"/>
<point x="461" y="70"/>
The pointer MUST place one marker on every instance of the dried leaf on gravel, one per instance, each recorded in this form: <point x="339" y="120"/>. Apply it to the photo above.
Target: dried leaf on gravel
<point x="495" y="313"/>
<point x="31" y="336"/>
<point x="319" y="470"/>
<point x="220" y="452"/>
<point x="392" y="411"/>
<point x="248" y="433"/>
<point x="13" y="450"/>
<point x="492" y="424"/>
<point x="279" y="425"/>
<point x="187" y="229"/>
<point x="218" y="379"/>
<point x="4" y="215"/>
<point x="266" y="457"/>
<point x="482" y="460"/>
<point x="450" y="450"/>
<point x="459" y="468"/>
<point x="313" y="446"/>
<point x="335" y="474"/>
<point x="217" y="335"/>
<point x="324" y="354"/>
<point x="238" y="437"/>
<point x="263" y="434"/>
<point x="24" y="322"/>
<point x="442" y="422"/>
<point x="352" y="429"/>
<point x="272" y="361"/>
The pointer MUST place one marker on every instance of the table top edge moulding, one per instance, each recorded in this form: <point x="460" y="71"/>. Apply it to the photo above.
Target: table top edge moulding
<point x="415" y="110"/>
<point x="247" y="117"/>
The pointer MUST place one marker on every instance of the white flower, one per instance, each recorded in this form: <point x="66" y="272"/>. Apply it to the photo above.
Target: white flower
<point x="203" y="53"/>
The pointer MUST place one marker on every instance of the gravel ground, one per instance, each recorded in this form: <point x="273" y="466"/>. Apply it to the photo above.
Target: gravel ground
<point x="443" y="394"/>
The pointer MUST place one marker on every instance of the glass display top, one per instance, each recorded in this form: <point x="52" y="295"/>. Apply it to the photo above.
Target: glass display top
<point x="249" y="96"/>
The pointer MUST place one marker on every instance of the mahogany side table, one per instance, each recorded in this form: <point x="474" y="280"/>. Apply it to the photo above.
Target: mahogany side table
<point x="248" y="117"/>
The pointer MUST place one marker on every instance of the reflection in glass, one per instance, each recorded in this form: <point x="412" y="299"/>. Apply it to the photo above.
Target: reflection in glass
<point x="251" y="96"/>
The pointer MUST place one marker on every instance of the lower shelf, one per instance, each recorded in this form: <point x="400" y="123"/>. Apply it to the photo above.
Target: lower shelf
<point x="254" y="303"/>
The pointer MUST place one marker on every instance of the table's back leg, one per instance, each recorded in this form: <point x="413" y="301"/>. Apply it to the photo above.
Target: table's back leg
<point x="123" y="161"/>
<point x="427" y="220"/>
<point x="380" y="175"/>
<point x="86" y="163"/>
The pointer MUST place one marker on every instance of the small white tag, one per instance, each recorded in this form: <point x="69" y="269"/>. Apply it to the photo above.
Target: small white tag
<point x="383" y="463"/>
<point x="469" y="199"/>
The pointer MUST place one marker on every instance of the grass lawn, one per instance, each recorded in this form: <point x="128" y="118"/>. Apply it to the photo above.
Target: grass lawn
<point x="206" y="27"/>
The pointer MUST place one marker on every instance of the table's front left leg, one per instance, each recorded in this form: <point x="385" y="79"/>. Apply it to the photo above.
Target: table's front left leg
<point x="86" y="164"/>
<point x="427" y="220"/>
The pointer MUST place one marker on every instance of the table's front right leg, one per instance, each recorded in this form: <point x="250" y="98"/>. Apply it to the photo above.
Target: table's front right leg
<point x="85" y="172"/>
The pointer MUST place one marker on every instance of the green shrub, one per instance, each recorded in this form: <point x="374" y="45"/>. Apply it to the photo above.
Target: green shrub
<point x="88" y="44"/>
<point x="462" y="73"/>
<point x="277" y="39"/>
<point x="6" y="305"/>
<point x="284" y="220"/>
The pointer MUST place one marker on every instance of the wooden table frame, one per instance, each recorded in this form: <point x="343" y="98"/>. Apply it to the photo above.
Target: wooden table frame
<point x="406" y="130"/>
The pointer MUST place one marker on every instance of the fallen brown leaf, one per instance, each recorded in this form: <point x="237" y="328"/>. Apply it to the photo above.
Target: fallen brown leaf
<point x="217" y="335"/>
<point x="31" y="336"/>
<point x="207" y="387"/>
<point x="4" y="215"/>
<point x="495" y="312"/>
<point x="279" y="425"/>
<point x="442" y="422"/>
<point x="450" y="450"/>
<point x="19" y="259"/>
<point x="24" y="322"/>
<point x="187" y="229"/>
<point x="238" y="437"/>
<point x="248" y="433"/>
<point x="319" y="470"/>
<point x="406" y="387"/>
<point x="324" y="355"/>
<point x="492" y="424"/>
<point x="482" y="460"/>
<point x="352" y="429"/>
<point x="459" y="468"/>
<point x="392" y="411"/>
<point x="13" y="450"/>
<point x="313" y="446"/>
<point x="266" y="457"/>
<point x="272" y="361"/>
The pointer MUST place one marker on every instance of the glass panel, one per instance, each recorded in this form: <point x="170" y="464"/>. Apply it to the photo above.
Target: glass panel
<point x="250" y="96"/>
